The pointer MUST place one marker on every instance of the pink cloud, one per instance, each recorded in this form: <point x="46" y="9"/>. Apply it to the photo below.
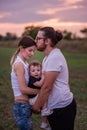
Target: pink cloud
<point x="74" y="27"/>
<point x="4" y="14"/>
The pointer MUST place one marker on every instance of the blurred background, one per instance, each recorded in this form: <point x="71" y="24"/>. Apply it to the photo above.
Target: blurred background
<point x="25" y="17"/>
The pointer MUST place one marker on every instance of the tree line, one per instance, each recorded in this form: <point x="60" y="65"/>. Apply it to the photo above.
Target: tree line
<point x="32" y="31"/>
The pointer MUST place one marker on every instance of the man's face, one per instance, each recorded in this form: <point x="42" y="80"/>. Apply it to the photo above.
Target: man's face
<point x="40" y="41"/>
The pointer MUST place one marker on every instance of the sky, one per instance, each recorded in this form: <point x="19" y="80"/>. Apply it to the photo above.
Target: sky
<point x="15" y="15"/>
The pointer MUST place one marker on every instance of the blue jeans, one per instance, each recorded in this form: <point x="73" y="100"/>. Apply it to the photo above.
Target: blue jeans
<point x="22" y="114"/>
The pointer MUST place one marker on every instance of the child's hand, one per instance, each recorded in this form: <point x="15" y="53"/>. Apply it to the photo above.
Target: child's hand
<point x="37" y="84"/>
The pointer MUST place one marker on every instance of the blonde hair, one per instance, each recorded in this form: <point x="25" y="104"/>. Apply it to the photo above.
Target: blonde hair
<point x="14" y="56"/>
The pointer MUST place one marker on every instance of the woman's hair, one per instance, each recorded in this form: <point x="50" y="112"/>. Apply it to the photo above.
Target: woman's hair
<point x="55" y="36"/>
<point x="25" y="41"/>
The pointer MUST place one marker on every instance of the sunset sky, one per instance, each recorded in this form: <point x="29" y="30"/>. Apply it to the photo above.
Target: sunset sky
<point x="15" y="15"/>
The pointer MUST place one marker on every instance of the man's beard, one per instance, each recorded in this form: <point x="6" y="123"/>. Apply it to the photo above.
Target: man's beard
<point x="41" y="48"/>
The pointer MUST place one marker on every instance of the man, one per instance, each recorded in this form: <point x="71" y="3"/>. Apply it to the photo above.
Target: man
<point x="55" y="89"/>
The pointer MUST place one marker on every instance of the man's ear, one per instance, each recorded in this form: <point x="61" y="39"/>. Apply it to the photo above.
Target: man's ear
<point x="48" y="41"/>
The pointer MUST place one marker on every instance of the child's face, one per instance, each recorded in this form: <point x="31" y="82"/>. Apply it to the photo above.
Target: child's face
<point x="35" y="71"/>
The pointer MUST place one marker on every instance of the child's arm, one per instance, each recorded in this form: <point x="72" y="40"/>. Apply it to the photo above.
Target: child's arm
<point x="39" y="83"/>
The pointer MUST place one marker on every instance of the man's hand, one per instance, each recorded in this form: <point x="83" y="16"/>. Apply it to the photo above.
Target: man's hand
<point x="35" y="110"/>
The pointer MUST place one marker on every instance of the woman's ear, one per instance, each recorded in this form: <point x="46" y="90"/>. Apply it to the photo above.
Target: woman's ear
<point x="21" y="48"/>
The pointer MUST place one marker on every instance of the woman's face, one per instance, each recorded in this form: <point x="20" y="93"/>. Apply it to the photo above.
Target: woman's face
<point x="28" y="52"/>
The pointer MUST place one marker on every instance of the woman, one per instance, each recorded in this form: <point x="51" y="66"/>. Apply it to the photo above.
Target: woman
<point x="55" y="88"/>
<point x="19" y="79"/>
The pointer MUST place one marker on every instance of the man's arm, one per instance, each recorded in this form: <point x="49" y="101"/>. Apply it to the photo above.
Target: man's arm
<point x="49" y="79"/>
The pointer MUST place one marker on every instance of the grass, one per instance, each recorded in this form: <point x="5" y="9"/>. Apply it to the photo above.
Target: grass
<point x="77" y="63"/>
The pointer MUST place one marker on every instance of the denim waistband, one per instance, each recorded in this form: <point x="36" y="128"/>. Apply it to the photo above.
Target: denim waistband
<point x="21" y="101"/>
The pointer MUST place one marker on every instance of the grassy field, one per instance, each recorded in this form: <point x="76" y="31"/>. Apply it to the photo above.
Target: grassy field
<point x="77" y="63"/>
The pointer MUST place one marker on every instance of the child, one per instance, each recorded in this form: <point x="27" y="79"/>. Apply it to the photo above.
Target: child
<point x="35" y="81"/>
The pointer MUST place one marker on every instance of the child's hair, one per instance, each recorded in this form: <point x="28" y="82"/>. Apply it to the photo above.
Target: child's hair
<point x="35" y="63"/>
<point x="25" y="42"/>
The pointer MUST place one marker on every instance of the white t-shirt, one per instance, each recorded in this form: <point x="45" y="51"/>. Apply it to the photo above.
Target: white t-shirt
<point x="14" y="79"/>
<point x="60" y="95"/>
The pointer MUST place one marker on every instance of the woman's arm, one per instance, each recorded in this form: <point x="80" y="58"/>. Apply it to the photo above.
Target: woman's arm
<point x="20" y="72"/>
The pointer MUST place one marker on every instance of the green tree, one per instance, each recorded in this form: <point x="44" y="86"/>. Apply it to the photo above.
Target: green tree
<point x="10" y="36"/>
<point x="84" y="31"/>
<point x="67" y="35"/>
<point x="31" y="31"/>
<point x="1" y="37"/>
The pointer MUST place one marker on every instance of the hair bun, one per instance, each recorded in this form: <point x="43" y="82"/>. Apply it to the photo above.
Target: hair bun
<point x="59" y="35"/>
